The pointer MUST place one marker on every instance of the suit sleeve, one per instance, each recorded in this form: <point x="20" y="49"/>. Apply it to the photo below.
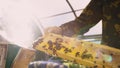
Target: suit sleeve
<point x="90" y="16"/>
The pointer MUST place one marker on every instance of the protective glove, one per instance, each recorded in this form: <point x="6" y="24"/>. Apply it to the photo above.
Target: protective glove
<point x="69" y="29"/>
<point x="54" y="29"/>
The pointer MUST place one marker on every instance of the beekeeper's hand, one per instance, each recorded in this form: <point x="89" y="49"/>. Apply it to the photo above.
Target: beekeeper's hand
<point x="54" y="29"/>
<point x="68" y="29"/>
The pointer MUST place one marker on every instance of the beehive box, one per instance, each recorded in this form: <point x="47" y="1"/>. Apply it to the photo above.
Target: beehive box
<point x="3" y="55"/>
<point x="23" y="58"/>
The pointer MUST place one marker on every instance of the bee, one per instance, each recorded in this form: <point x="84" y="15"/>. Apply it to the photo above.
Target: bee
<point x="58" y="46"/>
<point x="77" y="54"/>
<point x="57" y="43"/>
<point x="54" y="51"/>
<point x="67" y="50"/>
<point x="50" y="43"/>
<point x="85" y="55"/>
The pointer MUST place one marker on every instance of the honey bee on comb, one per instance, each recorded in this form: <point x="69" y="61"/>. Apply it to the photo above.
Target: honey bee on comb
<point x="86" y="53"/>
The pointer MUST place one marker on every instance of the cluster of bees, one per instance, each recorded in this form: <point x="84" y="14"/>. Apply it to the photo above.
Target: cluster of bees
<point x="55" y="46"/>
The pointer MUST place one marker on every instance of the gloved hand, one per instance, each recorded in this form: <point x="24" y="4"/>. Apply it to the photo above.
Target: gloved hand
<point x="64" y="30"/>
<point x="69" y="29"/>
<point x="54" y="29"/>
